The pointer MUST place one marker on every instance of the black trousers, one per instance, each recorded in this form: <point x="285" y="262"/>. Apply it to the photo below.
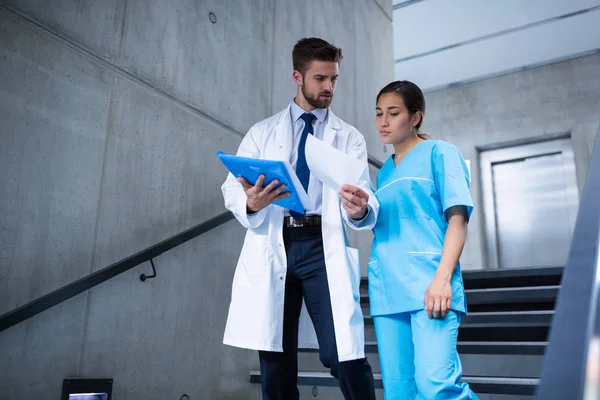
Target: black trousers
<point x="307" y="279"/>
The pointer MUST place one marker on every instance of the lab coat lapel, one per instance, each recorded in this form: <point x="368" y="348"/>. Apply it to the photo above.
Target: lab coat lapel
<point x="333" y="124"/>
<point x="284" y="136"/>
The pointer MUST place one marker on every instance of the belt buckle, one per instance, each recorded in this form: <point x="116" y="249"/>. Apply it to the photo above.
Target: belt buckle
<point x="294" y="223"/>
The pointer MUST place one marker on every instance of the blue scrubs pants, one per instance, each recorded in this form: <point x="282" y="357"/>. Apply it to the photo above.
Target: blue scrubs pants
<point x="418" y="357"/>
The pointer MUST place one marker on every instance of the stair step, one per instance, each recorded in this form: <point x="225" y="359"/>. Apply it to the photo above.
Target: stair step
<point x="505" y="348"/>
<point x="527" y="294"/>
<point x="517" y="277"/>
<point x="503" y="332"/>
<point x="505" y="278"/>
<point x="520" y="318"/>
<point x="513" y="326"/>
<point x="512" y="386"/>
<point x="502" y="318"/>
<point x="521" y="295"/>
<point x="491" y="332"/>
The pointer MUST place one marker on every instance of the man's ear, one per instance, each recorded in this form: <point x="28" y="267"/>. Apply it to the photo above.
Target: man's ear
<point x="297" y="77"/>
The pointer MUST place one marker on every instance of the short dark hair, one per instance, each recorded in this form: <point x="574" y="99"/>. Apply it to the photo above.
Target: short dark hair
<point x="308" y="50"/>
<point x="410" y="93"/>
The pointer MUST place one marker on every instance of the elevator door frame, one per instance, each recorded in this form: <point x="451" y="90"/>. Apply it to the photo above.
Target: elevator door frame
<point x="487" y="158"/>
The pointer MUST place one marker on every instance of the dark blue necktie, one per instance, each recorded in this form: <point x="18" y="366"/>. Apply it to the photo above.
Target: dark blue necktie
<point x="301" y="167"/>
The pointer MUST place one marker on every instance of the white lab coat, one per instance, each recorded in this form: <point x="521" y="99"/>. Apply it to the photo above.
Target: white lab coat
<point x="255" y="319"/>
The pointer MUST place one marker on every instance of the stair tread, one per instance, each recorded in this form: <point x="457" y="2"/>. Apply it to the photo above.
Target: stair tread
<point x="504" y="295"/>
<point x="513" y="277"/>
<point x="475" y="347"/>
<point x="525" y="312"/>
<point x="482" y="384"/>
<point x="510" y="272"/>
<point x="530" y="344"/>
<point x="469" y="343"/>
<point x="520" y="312"/>
<point x="501" y="318"/>
<point x="514" y="289"/>
<point x="499" y="379"/>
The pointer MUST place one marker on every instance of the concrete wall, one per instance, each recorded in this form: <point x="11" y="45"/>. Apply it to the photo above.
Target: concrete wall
<point x="553" y="99"/>
<point x="111" y="112"/>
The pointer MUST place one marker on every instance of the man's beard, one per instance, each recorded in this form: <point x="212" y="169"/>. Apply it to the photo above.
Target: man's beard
<point x="316" y="101"/>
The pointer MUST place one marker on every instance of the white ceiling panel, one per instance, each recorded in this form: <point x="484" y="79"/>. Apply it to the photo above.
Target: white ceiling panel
<point x="537" y="45"/>
<point x="431" y="25"/>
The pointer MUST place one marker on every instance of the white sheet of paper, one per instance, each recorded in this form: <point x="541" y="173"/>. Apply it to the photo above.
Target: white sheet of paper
<point x="331" y="166"/>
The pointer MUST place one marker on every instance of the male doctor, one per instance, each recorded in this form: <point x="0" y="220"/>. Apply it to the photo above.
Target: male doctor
<point x="289" y="258"/>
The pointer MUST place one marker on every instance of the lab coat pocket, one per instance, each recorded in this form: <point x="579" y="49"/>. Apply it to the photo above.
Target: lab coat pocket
<point x="353" y="255"/>
<point x="253" y="259"/>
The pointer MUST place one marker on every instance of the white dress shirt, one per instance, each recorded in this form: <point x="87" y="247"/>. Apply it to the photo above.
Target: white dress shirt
<point x="315" y="187"/>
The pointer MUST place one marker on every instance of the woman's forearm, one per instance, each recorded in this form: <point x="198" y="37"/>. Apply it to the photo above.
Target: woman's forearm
<point x="454" y="242"/>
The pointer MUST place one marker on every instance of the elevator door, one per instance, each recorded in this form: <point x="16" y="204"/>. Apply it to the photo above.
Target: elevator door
<point x="534" y="204"/>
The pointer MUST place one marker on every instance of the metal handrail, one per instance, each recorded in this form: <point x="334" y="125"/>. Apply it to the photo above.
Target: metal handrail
<point x="50" y="300"/>
<point x="566" y="361"/>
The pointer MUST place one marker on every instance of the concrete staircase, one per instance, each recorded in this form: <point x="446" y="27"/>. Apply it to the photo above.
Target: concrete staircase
<point x="501" y="341"/>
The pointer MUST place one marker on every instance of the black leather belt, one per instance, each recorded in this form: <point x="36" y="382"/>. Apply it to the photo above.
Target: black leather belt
<point x="308" y="220"/>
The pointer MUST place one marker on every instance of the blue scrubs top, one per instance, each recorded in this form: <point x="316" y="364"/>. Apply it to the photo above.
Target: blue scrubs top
<point x="411" y="226"/>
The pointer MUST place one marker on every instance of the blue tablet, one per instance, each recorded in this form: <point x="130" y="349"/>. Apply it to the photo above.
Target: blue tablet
<point x="252" y="168"/>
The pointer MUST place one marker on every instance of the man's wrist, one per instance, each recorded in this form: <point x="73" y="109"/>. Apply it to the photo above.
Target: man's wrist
<point x="250" y="211"/>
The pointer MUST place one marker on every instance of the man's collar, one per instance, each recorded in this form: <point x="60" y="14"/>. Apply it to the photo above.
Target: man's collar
<point x="297" y="111"/>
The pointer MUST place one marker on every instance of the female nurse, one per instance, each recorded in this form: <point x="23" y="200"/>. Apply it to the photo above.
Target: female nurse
<point x="415" y="283"/>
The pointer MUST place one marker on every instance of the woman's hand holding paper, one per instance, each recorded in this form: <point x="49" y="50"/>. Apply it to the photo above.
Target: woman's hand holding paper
<point x="355" y="201"/>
